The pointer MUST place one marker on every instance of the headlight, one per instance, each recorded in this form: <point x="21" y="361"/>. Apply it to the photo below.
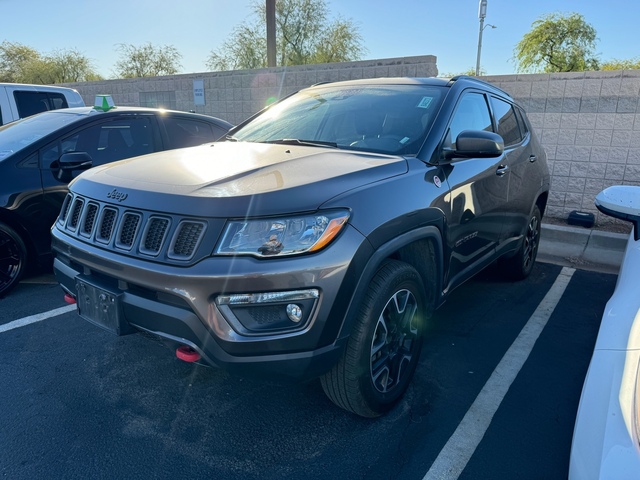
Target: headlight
<point x="270" y="237"/>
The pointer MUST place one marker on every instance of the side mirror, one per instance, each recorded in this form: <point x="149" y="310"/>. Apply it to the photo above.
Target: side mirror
<point x="75" y="161"/>
<point x="476" y="144"/>
<point x="623" y="202"/>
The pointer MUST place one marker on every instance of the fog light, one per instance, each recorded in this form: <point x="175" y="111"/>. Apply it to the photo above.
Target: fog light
<point x="267" y="313"/>
<point x="294" y="312"/>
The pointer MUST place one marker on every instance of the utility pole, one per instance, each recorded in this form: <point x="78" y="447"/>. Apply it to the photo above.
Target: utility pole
<point x="482" y="12"/>
<point x="271" y="33"/>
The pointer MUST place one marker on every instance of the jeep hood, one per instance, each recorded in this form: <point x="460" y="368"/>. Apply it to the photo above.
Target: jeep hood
<point x="236" y="178"/>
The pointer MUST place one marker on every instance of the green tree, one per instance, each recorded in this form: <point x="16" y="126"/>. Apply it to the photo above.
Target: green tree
<point x="304" y="35"/>
<point x="22" y="64"/>
<point x="70" y="66"/>
<point x="147" y="61"/>
<point x="615" y="64"/>
<point x="557" y="43"/>
<point x="14" y="60"/>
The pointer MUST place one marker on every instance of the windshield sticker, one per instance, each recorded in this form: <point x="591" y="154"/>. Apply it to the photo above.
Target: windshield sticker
<point x="425" y="102"/>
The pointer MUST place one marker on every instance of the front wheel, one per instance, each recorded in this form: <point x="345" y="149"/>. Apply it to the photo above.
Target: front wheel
<point x="13" y="258"/>
<point x="519" y="266"/>
<point x="384" y="348"/>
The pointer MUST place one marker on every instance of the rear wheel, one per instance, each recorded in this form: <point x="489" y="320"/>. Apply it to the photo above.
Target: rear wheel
<point x="385" y="344"/>
<point x="13" y="258"/>
<point x="519" y="266"/>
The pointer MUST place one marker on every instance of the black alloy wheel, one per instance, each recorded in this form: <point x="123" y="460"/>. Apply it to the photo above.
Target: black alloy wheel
<point x="385" y="343"/>
<point x="520" y="265"/>
<point x="13" y="258"/>
<point x="395" y="341"/>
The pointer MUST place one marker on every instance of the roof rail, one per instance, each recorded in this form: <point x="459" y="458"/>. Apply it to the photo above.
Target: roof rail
<point x="476" y="79"/>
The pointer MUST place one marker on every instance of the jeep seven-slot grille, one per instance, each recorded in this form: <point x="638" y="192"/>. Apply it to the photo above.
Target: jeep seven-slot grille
<point x="75" y="213"/>
<point x="155" y="235"/>
<point x="105" y="229"/>
<point x="130" y="231"/>
<point x="189" y="234"/>
<point x="89" y="219"/>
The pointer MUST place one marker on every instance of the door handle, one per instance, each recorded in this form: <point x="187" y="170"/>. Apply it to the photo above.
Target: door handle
<point x="502" y="170"/>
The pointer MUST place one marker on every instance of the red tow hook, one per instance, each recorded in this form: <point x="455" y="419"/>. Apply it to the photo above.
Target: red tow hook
<point x="69" y="299"/>
<point x="187" y="354"/>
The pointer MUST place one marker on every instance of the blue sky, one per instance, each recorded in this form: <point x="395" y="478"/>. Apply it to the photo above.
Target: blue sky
<point x="448" y="30"/>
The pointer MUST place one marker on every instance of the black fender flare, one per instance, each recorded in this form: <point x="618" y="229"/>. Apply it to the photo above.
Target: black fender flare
<point x="386" y="250"/>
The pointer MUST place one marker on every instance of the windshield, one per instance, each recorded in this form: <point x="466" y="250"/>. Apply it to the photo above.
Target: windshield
<point x="22" y="133"/>
<point x="392" y="119"/>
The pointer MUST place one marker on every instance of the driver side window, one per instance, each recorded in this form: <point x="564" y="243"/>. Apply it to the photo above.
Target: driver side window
<point x="472" y="113"/>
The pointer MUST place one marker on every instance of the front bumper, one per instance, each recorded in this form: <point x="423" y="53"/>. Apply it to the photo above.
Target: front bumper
<point x="179" y="303"/>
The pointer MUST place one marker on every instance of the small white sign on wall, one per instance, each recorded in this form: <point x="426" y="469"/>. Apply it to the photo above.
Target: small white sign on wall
<point x="198" y="92"/>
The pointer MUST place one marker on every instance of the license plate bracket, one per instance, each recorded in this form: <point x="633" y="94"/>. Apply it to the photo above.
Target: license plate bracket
<point x="102" y="307"/>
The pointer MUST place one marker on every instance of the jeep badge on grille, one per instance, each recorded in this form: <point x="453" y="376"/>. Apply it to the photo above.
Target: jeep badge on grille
<point x="116" y="195"/>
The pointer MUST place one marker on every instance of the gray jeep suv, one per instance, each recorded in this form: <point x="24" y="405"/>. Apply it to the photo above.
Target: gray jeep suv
<point x="318" y="238"/>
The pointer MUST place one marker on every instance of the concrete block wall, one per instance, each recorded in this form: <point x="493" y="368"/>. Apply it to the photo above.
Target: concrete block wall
<point x="236" y="95"/>
<point x="588" y="122"/>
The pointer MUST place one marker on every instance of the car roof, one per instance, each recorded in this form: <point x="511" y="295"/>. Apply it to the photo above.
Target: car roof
<point x="86" y="111"/>
<point x="438" y="82"/>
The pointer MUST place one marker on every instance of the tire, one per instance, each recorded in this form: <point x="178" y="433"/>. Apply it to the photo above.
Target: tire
<point x="384" y="347"/>
<point x="13" y="258"/>
<point x="519" y="266"/>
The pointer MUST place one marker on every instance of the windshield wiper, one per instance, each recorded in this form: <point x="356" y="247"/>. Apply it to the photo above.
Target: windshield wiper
<point x="308" y="143"/>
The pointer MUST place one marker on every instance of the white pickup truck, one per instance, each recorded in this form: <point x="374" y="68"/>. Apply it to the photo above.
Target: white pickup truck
<point x="20" y="100"/>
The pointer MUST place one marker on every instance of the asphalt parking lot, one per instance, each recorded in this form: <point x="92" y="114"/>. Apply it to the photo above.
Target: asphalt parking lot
<point x="495" y="396"/>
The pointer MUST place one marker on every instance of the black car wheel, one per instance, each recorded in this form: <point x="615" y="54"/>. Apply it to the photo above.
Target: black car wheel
<point x="385" y="344"/>
<point x="13" y="258"/>
<point x="519" y="266"/>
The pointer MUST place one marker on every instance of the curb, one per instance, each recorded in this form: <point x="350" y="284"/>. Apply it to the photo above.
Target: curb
<point x="582" y="248"/>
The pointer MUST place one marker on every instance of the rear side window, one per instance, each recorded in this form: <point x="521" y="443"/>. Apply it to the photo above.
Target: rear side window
<point x="505" y="116"/>
<point x="523" y="122"/>
<point x="30" y="103"/>
<point x="184" y="132"/>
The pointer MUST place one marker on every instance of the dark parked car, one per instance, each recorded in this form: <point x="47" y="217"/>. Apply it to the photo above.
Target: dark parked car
<point x="39" y="155"/>
<point x="319" y="238"/>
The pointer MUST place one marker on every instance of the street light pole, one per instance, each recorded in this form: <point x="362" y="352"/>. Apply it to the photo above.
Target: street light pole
<point x="271" y="33"/>
<point x="482" y="12"/>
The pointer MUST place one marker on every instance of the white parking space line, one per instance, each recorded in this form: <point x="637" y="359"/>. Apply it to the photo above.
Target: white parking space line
<point x="455" y="455"/>
<point x="36" y="318"/>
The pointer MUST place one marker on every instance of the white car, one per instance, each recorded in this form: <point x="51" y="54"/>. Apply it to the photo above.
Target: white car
<point x="18" y="100"/>
<point x="607" y="430"/>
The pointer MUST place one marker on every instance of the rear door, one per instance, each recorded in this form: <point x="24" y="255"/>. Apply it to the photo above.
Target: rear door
<point x="519" y="158"/>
